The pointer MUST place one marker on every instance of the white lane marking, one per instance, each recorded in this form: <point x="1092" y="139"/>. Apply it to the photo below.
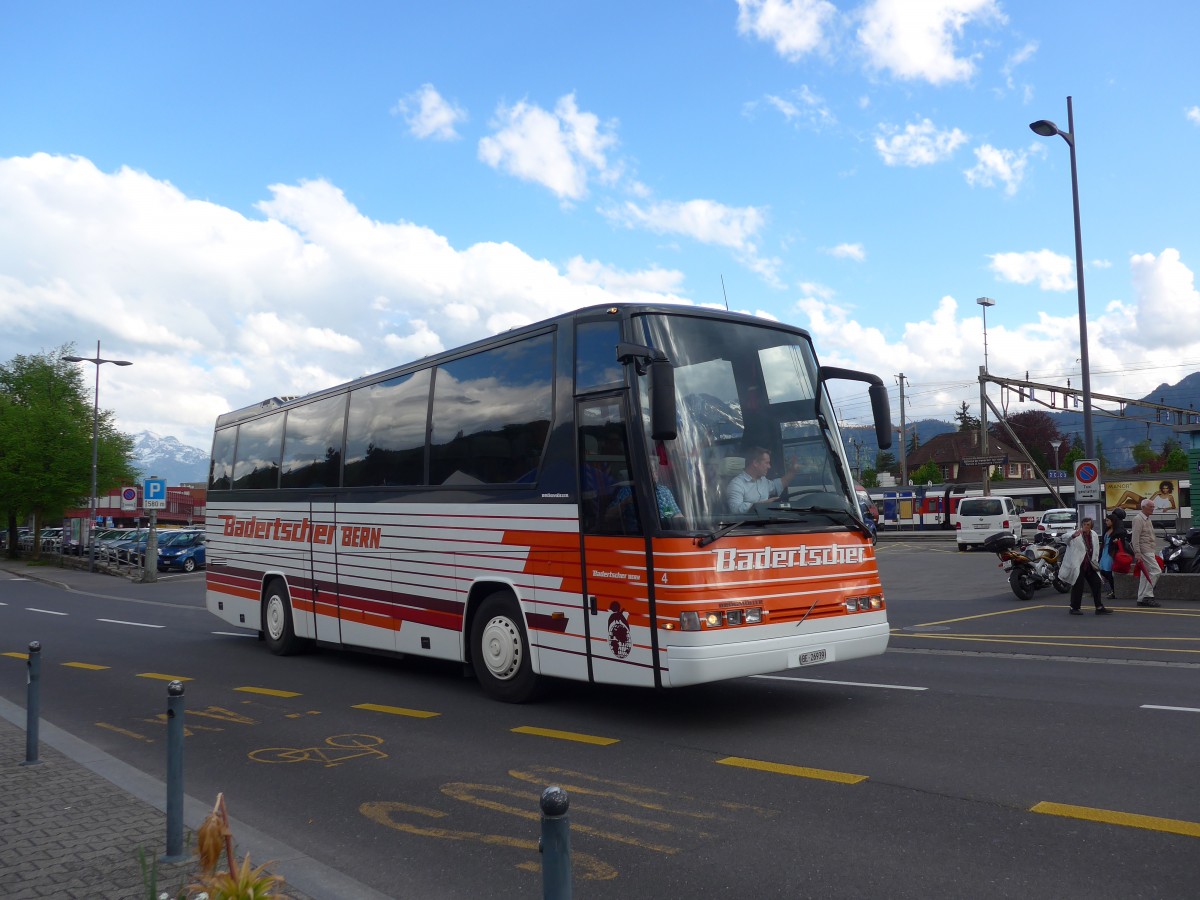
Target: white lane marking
<point x="138" y="624"/>
<point x="49" y="612"/>
<point x="893" y="687"/>
<point x="1171" y="708"/>
<point x="236" y="634"/>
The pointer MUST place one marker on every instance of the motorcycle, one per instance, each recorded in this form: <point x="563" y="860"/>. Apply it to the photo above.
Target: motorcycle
<point x="1030" y="565"/>
<point x="1182" y="552"/>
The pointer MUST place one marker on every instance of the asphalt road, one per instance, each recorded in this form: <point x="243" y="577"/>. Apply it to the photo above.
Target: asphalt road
<point x="998" y="748"/>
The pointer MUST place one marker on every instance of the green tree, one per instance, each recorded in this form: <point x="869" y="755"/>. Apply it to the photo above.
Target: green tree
<point x="929" y="472"/>
<point x="966" y="421"/>
<point x="885" y="461"/>
<point x="869" y="478"/>
<point x="1073" y="455"/>
<point x="46" y="441"/>
<point x="1144" y="456"/>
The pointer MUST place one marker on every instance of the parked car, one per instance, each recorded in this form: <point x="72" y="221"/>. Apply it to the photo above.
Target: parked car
<point x="181" y="550"/>
<point x="981" y="517"/>
<point x="1058" y="522"/>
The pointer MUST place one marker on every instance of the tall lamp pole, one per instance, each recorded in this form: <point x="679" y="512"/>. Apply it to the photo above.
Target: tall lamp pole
<point x="97" y="362"/>
<point x="1046" y="128"/>
<point x="985" y="302"/>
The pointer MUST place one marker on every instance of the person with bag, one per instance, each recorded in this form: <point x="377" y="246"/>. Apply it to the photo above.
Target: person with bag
<point x="1146" y="566"/>
<point x="1122" y="553"/>
<point x="1080" y="568"/>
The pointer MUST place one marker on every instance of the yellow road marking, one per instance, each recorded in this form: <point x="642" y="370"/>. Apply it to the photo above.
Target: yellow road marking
<point x="397" y="711"/>
<point x="798" y="771"/>
<point x="124" y="731"/>
<point x="89" y="666"/>
<point x="1065" y="637"/>
<point x="1006" y="612"/>
<point x="566" y="735"/>
<point x="1112" y="817"/>
<point x="158" y="676"/>
<point x="18" y="655"/>
<point x="270" y="692"/>
<point x="1037" y="643"/>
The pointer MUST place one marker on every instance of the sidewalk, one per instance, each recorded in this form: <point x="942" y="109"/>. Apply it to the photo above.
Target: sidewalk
<point x="72" y="825"/>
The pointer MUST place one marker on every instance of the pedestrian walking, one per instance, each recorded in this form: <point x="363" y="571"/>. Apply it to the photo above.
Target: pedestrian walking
<point x="1081" y="568"/>
<point x="1107" y="549"/>
<point x="1145" y="565"/>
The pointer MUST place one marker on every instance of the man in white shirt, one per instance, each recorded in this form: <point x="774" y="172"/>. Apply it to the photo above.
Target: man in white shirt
<point x="1146" y="567"/>
<point x="753" y="486"/>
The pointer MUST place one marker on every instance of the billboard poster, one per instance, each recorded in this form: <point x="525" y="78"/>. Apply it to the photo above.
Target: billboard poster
<point x="1129" y="495"/>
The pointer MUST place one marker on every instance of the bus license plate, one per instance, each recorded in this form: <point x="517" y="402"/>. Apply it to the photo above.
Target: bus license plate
<point x="810" y="658"/>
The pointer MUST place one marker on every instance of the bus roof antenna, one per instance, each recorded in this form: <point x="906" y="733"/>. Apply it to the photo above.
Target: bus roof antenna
<point x="726" y="296"/>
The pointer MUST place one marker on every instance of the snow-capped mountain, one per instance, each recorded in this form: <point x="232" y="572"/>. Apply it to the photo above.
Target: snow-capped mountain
<point x="169" y="458"/>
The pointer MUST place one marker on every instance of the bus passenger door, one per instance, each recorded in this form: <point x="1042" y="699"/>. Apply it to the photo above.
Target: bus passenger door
<point x="615" y="594"/>
<point x="323" y="570"/>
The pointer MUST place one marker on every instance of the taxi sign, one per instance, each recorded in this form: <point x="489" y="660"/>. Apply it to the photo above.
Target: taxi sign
<point x="155" y="493"/>
<point x="1087" y="481"/>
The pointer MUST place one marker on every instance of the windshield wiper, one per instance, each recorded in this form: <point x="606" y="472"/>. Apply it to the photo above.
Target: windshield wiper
<point x="836" y="514"/>
<point x="728" y="527"/>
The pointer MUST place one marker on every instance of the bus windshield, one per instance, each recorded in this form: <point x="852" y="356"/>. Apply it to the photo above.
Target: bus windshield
<point x="745" y="391"/>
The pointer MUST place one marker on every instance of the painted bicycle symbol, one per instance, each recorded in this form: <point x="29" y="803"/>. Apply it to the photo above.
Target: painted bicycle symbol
<point x="340" y="748"/>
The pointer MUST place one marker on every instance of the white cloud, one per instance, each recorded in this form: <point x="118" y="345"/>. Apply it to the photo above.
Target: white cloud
<point x="1052" y="271"/>
<point x="995" y="165"/>
<point x="802" y="107"/>
<point x="559" y="150"/>
<point x="917" y="41"/>
<point x="1167" y="299"/>
<point x="429" y="114"/>
<point x="705" y="221"/>
<point x="1193" y="114"/>
<point x="795" y="27"/>
<point x="919" y="144"/>
<point x="231" y="310"/>
<point x="855" y="252"/>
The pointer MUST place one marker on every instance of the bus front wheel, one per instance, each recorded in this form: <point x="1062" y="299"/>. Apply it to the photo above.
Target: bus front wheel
<point x="277" y="619"/>
<point x="500" y="651"/>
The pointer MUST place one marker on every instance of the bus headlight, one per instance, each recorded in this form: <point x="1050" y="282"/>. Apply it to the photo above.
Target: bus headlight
<point x="689" y="621"/>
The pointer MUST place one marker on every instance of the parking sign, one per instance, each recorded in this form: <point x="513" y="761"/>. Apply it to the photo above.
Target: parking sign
<point x="1087" y="481"/>
<point x="154" y="495"/>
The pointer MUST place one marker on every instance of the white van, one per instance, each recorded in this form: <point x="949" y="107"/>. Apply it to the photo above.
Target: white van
<point x="981" y="517"/>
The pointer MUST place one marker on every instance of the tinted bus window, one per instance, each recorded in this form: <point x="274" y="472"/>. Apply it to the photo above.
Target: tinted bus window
<point x="256" y="466"/>
<point x="596" y="355"/>
<point x="491" y="415"/>
<point x="312" y="444"/>
<point x="220" y="472"/>
<point x="385" y="433"/>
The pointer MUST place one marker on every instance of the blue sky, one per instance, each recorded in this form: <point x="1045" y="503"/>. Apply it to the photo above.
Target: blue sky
<point x="258" y="199"/>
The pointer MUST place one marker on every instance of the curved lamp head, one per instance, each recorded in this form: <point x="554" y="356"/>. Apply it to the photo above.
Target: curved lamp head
<point x="1044" y="127"/>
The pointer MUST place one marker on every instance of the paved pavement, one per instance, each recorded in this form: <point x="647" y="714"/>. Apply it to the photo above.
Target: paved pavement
<point x="71" y="826"/>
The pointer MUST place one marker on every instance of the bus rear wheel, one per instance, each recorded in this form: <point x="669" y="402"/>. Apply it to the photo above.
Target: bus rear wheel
<point x="277" y="619"/>
<point x="500" y="651"/>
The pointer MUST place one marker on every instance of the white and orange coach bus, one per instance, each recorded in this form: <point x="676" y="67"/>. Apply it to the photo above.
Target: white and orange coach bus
<point x="554" y="502"/>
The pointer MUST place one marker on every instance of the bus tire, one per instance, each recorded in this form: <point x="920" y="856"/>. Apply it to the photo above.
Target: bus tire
<point x="277" y="619"/>
<point x="500" y="650"/>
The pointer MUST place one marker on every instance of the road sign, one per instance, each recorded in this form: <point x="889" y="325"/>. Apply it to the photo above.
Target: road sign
<point x="155" y="493"/>
<point x="1087" y="481"/>
<point x="128" y="499"/>
<point x="983" y="460"/>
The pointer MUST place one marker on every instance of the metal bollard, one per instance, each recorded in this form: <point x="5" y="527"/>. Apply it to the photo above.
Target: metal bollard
<point x="555" y="845"/>
<point x="174" y="774"/>
<point x="33" y="703"/>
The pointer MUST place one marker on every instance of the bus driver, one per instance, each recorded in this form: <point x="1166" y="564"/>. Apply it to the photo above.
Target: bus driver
<point x="753" y="486"/>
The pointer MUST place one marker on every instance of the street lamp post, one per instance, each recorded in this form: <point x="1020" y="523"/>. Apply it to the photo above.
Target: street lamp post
<point x="97" y="362"/>
<point x="1046" y="128"/>
<point x="1056" y="444"/>
<point x="985" y="302"/>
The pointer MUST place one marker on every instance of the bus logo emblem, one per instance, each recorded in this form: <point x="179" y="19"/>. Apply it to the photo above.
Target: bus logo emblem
<point x="618" y="632"/>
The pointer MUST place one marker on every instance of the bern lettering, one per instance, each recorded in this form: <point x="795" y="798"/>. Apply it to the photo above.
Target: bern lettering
<point x="301" y="532"/>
